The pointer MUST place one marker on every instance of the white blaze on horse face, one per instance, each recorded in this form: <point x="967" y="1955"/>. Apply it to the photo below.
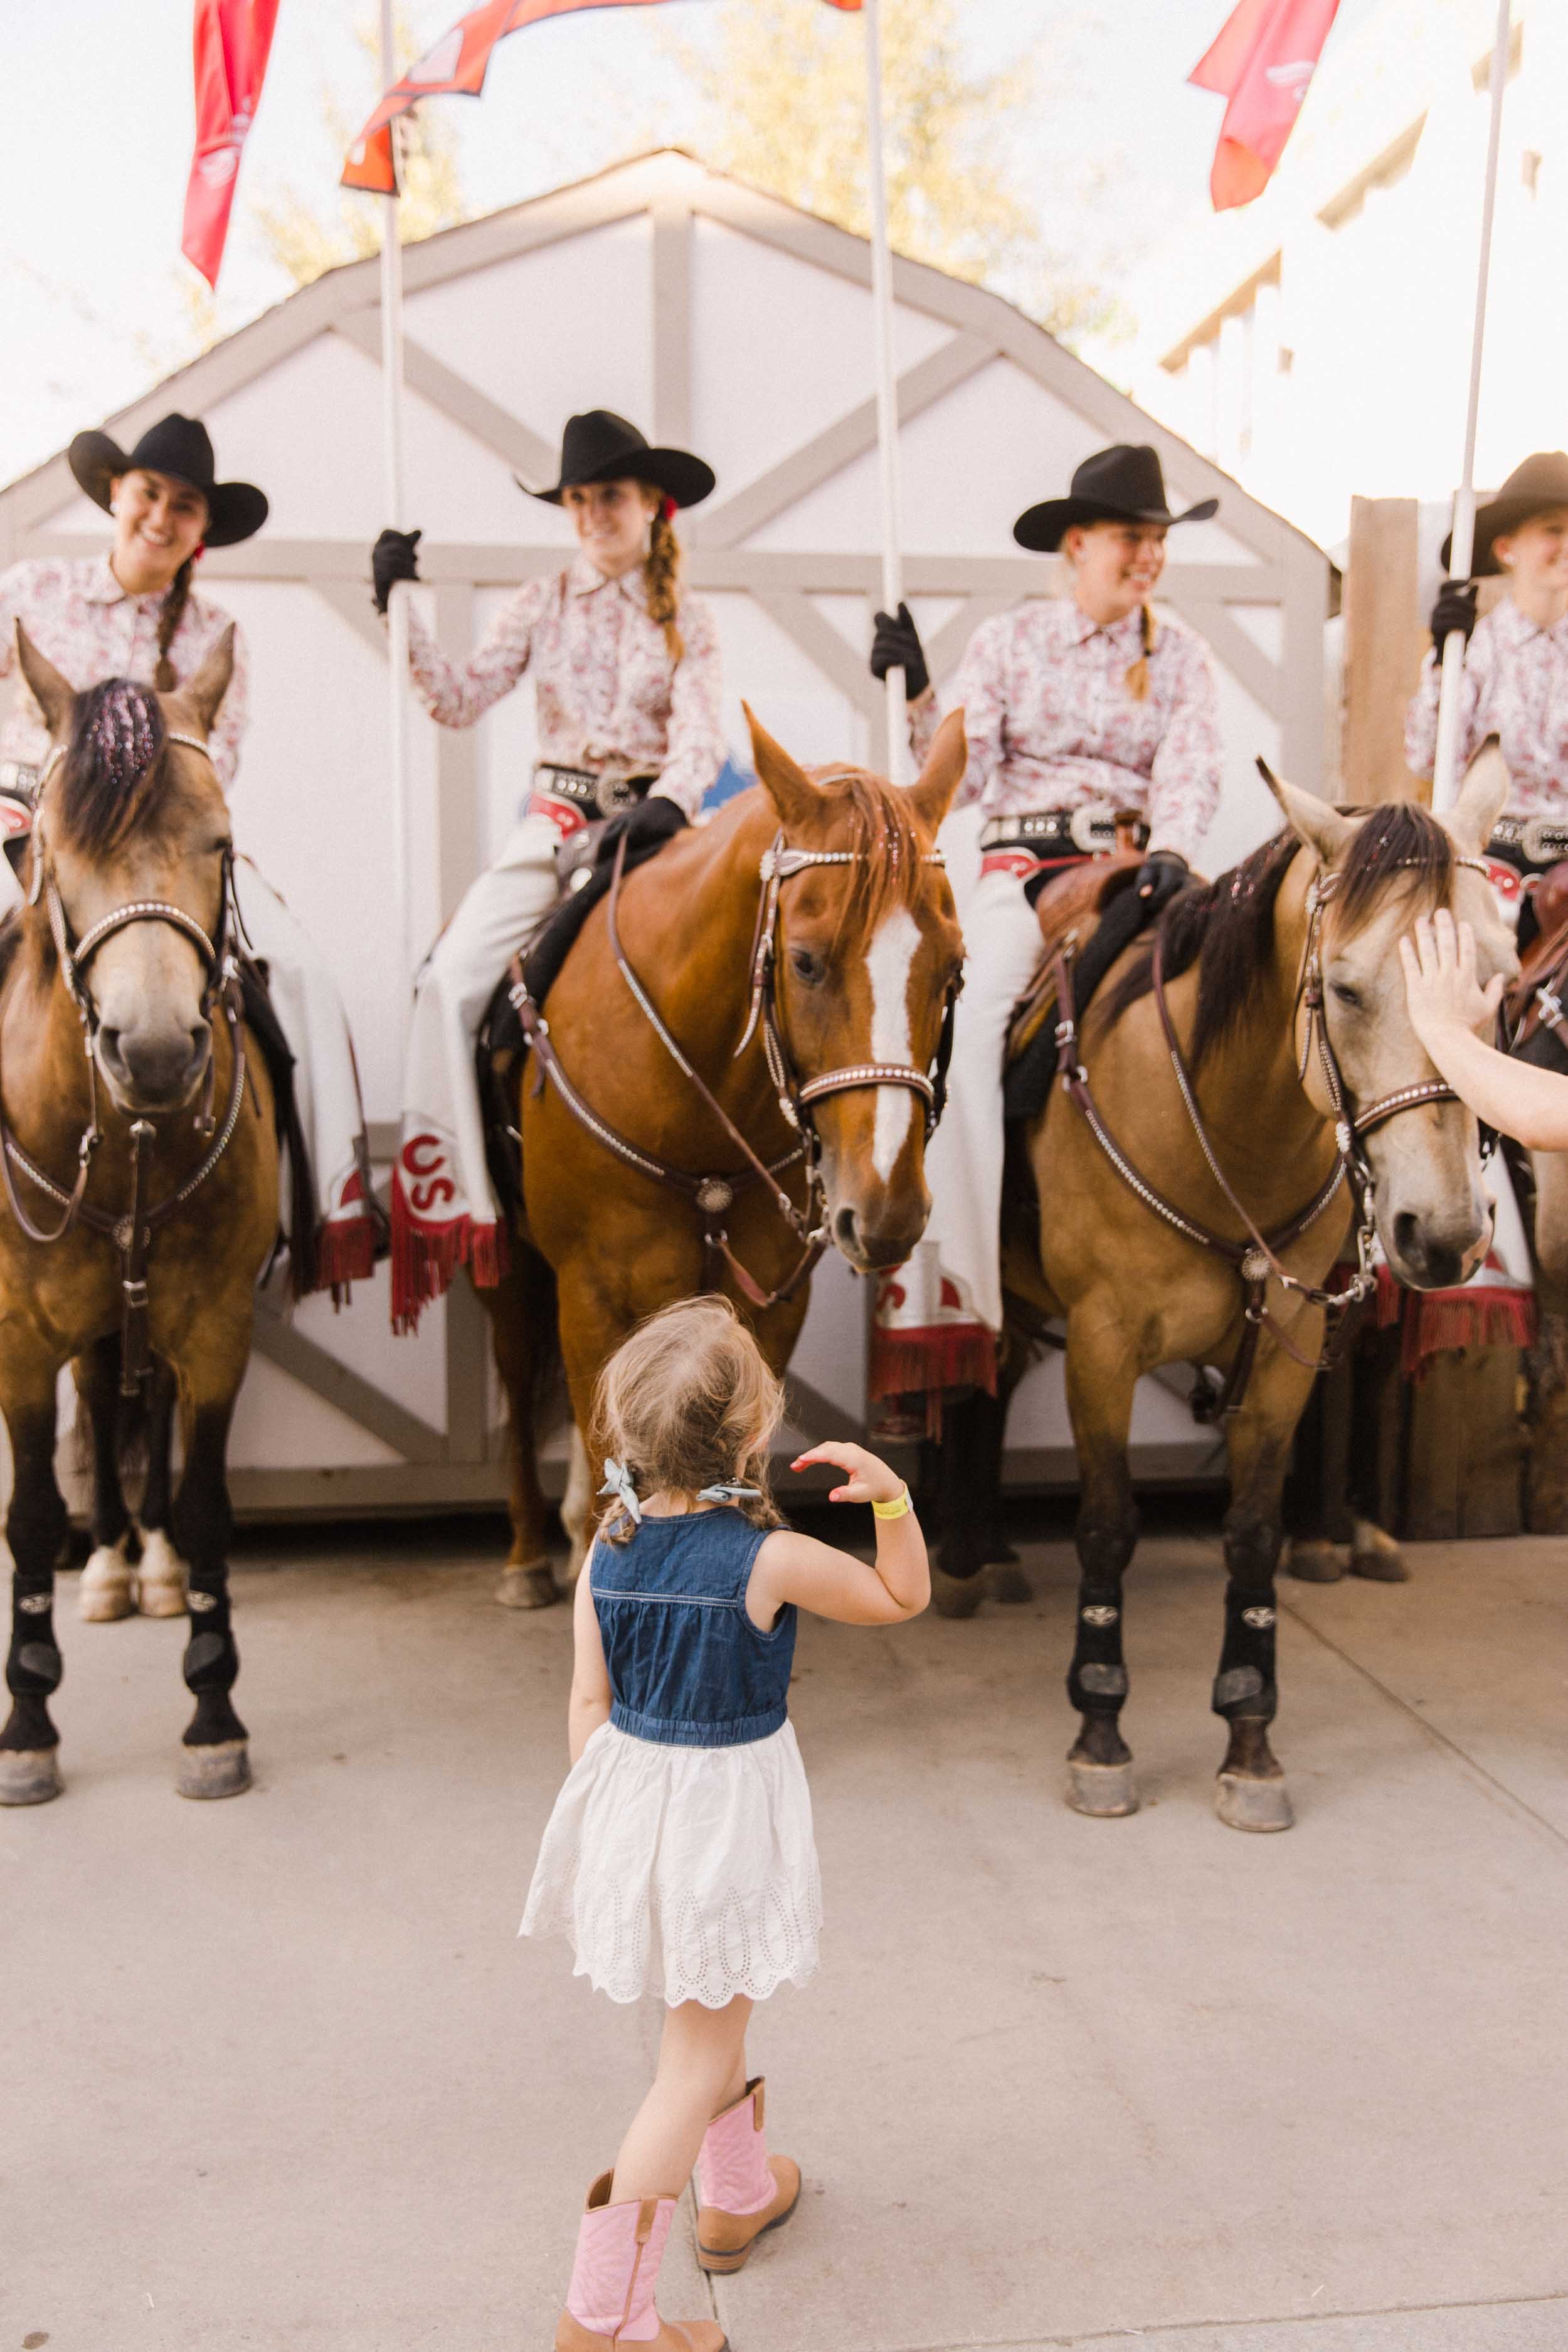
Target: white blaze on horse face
<point x="889" y="960"/>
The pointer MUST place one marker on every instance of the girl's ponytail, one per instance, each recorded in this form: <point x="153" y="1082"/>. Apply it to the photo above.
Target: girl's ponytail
<point x="661" y="577"/>
<point x="169" y="620"/>
<point x="1137" y="678"/>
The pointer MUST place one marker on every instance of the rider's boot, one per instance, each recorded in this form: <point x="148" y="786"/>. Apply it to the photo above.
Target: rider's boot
<point x="610" y="2299"/>
<point x="741" y="2189"/>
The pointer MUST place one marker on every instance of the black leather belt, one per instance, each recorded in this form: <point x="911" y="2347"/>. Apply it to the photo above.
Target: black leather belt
<point x="596" y="792"/>
<point x="1086" y="831"/>
<point x="1539" y="840"/>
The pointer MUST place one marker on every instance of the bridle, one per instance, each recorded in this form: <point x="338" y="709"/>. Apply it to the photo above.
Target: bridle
<point x="1256" y="1260"/>
<point x="712" y="1194"/>
<point x="130" y="1234"/>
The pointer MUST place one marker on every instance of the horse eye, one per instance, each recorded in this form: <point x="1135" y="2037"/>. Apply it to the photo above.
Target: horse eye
<point x="1346" y="993"/>
<point x="806" y="966"/>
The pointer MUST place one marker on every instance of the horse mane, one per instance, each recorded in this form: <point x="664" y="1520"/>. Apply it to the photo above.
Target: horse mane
<point x="114" y="772"/>
<point x="1226" y="926"/>
<point x="887" y="847"/>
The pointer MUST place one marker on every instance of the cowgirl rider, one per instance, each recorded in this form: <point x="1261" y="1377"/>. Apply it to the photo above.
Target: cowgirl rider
<point x="1515" y="681"/>
<point x="1077" y="709"/>
<point x="133" y="612"/>
<point x="626" y="688"/>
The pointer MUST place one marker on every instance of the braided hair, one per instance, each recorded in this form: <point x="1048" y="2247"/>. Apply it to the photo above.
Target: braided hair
<point x="172" y="614"/>
<point x="661" y="578"/>
<point x="1136" y="679"/>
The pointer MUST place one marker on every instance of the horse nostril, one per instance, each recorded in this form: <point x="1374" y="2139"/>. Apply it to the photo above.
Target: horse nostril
<point x="1408" y="1239"/>
<point x="109" y="1046"/>
<point x="845" y="1234"/>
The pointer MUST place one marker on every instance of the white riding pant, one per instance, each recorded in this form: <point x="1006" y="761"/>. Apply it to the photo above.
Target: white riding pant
<point x="964" y="1160"/>
<point x="495" y="915"/>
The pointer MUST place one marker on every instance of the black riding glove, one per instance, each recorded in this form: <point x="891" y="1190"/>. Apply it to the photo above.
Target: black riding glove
<point x="651" y="823"/>
<point x="1455" y="609"/>
<point x="1163" y="872"/>
<point x="896" y="645"/>
<point x="392" y="558"/>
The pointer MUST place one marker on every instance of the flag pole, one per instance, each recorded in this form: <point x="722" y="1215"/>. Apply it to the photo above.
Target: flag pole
<point x="1446" y="764"/>
<point x="887" y="384"/>
<point x="391" y="428"/>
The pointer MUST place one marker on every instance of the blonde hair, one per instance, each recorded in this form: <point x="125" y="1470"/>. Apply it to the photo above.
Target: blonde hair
<point x="1136" y="678"/>
<point x="689" y="1401"/>
<point x="661" y="578"/>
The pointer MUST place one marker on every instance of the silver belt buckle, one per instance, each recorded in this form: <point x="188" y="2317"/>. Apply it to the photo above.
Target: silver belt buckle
<point x="16" y="776"/>
<point x="1093" y="829"/>
<point x="618" y="793"/>
<point x="1543" y="842"/>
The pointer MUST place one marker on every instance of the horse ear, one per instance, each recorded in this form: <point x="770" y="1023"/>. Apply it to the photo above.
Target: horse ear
<point x="1483" y="798"/>
<point x="205" y="692"/>
<point x="940" y="779"/>
<point x="1322" y="828"/>
<point x="50" y="691"/>
<point x="787" y="785"/>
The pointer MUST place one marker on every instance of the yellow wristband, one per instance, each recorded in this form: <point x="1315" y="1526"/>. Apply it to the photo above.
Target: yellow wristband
<point x="899" y="1508"/>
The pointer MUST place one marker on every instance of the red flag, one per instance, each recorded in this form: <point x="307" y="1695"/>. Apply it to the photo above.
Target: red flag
<point x="458" y="63"/>
<point x="1263" y="61"/>
<point x="233" y="38"/>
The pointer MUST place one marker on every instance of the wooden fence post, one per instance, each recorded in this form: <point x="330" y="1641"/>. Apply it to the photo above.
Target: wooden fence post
<point x="1385" y="639"/>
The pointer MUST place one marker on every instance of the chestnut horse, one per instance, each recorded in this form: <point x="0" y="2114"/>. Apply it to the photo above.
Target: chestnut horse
<point x="140" y="1163"/>
<point x="800" y="951"/>
<point x="1284" y="990"/>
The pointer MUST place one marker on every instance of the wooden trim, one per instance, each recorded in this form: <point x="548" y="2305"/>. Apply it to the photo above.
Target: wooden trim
<point x="459" y="401"/>
<point x="316" y="1369"/>
<point x="1384" y="642"/>
<point x="458" y="828"/>
<point x="821" y="643"/>
<point x="672" y="356"/>
<point x="353" y="607"/>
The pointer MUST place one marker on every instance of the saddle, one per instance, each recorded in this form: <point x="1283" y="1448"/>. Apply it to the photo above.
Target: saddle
<point x="1545" y="966"/>
<point x="1090" y="908"/>
<point x="582" y="878"/>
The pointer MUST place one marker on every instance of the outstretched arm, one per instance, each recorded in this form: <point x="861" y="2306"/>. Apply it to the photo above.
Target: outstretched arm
<point x="1447" y="1006"/>
<point x="832" y="1583"/>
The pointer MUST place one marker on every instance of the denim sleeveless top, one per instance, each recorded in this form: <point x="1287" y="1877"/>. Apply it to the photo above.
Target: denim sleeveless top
<point x="687" y="1667"/>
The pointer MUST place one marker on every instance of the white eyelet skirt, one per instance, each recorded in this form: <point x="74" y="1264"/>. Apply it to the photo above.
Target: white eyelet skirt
<point x="687" y="1872"/>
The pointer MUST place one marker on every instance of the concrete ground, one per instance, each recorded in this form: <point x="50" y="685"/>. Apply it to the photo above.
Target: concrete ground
<point x="280" y="2077"/>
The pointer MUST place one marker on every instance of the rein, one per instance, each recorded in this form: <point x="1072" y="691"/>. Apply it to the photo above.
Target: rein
<point x="1256" y="1260"/>
<point x="714" y="1194"/>
<point x="130" y="1234"/>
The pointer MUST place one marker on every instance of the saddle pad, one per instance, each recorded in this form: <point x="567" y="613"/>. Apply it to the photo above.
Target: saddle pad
<point x="1094" y="902"/>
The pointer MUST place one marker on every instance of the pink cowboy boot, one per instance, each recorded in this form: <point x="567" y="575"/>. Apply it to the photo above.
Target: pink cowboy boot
<point x="743" y="2190"/>
<point x="610" y="2299"/>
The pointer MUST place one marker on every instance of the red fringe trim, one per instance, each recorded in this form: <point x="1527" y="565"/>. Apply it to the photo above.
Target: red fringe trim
<point x="931" y="1360"/>
<point x="426" y="1258"/>
<point x="345" y="1253"/>
<point x="1438" y="1320"/>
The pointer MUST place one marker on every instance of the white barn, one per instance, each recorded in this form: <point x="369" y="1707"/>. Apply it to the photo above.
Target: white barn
<point x="724" y="320"/>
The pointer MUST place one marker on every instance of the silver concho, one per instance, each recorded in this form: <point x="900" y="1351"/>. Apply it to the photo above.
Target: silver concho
<point x="1100" y="1613"/>
<point x="714" y="1196"/>
<point x="1258" y="1619"/>
<point x="199" y="1603"/>
<point x="618" y="793"/>
<point x="35" y="1604"/>
<point x="1254" y="1267"/>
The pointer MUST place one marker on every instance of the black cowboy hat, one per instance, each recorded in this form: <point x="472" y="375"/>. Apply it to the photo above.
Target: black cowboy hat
<point x="601" y="448"/>
<point x="1540" y="482"/>
<point x="179" y="446"/>
<point x="1120" y="485"/>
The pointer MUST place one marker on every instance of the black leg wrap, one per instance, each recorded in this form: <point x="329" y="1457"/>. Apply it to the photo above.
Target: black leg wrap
<point x="1244" y="1684"/>
<point x="1097" y="1679"/>
<point x="970" y="1462"/>
<point x="33" y="1667"/>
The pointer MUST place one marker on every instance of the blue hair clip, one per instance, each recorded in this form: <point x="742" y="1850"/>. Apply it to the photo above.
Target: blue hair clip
<point x="727" y="1491"/>
<point x="618" y="1481"/>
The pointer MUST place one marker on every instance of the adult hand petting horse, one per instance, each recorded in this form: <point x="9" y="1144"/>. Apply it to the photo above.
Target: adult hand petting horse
<point x="1448" y="1007"/>
<point x="653" y="820"/>
<point x="392" y="558"/>
<point x="896" y="645"/>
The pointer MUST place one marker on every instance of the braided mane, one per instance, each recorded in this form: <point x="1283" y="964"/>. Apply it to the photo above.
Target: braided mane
<point x="1226" y="926"/>
<point x="114" y="774"/>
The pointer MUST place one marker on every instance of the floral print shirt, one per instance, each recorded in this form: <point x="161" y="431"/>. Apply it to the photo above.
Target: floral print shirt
<point x="80" y="618"/>
<point x="605" y="685"/>
<point x="1051" y="724"/>
<point x="1515" y="687"/>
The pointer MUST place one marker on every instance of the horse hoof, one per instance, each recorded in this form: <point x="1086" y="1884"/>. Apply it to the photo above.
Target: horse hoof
<point x="955" y="1596"/>
<point x="29" y="1776"/>
<point x="1313" y="1563"/>
<point x="161" y="1577"/>
<point x="1009" y="1583"/>
<point x="1107" y="1792"/>
<point x="1243" y="1803"/>
<point x="528" y="1588"/>
<point x="107" y="1590"/>
<point x="1376" y="1555"/>
<point x="221" y="1770"/>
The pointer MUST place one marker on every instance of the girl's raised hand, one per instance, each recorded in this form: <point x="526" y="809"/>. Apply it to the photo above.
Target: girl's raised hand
<point x="870" y="1480"/>
<point x="1440" y="982"/>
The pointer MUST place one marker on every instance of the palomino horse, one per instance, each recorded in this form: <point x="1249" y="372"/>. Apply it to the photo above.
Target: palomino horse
<point x="1195" y="1183"/>
<point x="140" y="1163"/>
<point x="736" y="1067"/>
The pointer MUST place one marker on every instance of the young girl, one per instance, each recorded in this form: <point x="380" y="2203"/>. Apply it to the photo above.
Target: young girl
<point x="678" y="1859"/>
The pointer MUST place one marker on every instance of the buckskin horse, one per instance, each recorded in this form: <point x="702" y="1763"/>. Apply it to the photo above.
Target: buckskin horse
<point x="1243" y="1090"/>
<point x="140" y="1163"/>
<point x="737" y="1067"/>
